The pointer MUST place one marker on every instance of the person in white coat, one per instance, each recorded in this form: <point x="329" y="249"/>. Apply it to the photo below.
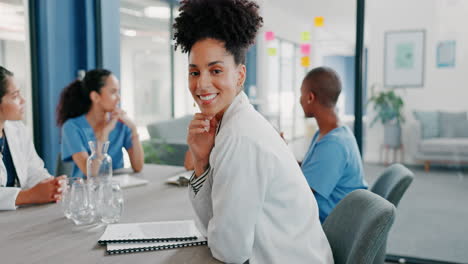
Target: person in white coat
<point x="23" y="178"/>
<point x="250" y="197"/>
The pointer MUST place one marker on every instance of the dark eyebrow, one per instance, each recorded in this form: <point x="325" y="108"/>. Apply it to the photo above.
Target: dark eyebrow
<point x="209" y="64"/>
<point x="215" y="62"/>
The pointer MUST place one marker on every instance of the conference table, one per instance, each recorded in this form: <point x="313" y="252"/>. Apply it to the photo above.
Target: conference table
<point x="41" y="233"/>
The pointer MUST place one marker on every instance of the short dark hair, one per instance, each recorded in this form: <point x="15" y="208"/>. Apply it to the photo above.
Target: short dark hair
<point x="74" y="99"/>
<point x="325" y="83"/>
<point x="233" y="22"/>
<point x="4" y="75"/>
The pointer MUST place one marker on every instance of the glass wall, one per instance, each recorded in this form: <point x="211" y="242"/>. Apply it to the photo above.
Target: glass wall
<point x="417" y="54"/>
<point x="282" y="106"/>
<point x="146" y="60"/>
<point x="14" y="48"/>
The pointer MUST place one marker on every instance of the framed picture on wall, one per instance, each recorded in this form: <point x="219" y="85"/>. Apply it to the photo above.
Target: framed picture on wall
<point x="404" y="58"/>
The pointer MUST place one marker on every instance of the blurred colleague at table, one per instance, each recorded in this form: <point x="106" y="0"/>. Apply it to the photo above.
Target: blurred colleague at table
<point x="250" y="197"/>
<point x="332" y="165"/>
<point x="88" y="111"/>
<point x="23" y="178"/>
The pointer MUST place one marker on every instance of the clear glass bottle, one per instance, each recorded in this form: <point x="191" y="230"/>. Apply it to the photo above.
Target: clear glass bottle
<point x="99" y="163"/>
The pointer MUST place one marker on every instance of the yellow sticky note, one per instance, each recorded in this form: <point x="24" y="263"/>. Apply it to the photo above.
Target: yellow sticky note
<point x="319" y="21"/>
<point x="305" y="61"/>
<point x="305" y="36"/>
<point x="271" y="51"/>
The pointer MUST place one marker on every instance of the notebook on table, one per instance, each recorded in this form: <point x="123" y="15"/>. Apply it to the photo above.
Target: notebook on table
<point x="150" y="232"/>
<point x="127" y="181"/>
<point x="152" y="246"/>
<point x="140" y="237"/>
<point x="180" y="179"/>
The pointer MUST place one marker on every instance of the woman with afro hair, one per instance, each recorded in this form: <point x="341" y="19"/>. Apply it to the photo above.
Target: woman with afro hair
<point x="251" y="199"/>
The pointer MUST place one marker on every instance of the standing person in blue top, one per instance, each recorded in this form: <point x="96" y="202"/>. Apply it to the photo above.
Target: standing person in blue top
<point x="88" y="111"/>
<point x="332" y="165"/>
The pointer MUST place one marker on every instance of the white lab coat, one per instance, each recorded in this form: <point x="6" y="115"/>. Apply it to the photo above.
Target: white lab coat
<point x="255" y="203"/>
<point x="29" y="166"/>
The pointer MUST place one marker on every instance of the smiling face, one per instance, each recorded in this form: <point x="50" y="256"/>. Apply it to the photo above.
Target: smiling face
<point x="214" y="77"/>
<point x="12" y="103"/>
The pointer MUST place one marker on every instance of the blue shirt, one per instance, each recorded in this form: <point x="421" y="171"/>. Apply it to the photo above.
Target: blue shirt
<point x="77" y="132"/>
<point x="8" y="162"/>
<point x="333" y="168"/>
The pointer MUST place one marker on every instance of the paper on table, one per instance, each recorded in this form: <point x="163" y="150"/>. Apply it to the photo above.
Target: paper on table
<point x="126" y="180"/>
<point x="150" y="232"/>
<point x="181" y="178"/>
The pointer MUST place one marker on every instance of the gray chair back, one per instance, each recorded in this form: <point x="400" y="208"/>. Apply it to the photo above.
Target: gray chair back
<point x="63" y="167"/>
<point x="393" y="183"/>
<point x="358" y="226"/>
<point x="171" y="130"/>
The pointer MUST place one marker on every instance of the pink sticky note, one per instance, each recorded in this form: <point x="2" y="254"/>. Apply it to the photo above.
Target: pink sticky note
<point x="269" y="35"/>
<point x="305" y="49"/>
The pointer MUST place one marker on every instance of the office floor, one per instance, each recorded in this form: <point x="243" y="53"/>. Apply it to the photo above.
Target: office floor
<point x="432" y="217"/>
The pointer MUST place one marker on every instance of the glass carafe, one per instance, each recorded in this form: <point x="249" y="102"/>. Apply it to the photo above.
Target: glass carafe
<point x="99" y="163"/>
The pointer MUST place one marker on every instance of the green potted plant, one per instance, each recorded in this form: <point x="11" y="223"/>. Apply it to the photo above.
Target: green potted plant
<point x="389" y="111"/>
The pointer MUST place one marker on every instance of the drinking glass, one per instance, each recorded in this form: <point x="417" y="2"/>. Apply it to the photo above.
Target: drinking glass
<point x="109" y="202"/>
<point x="82" y="206"/>
<point x="66" y="185"/>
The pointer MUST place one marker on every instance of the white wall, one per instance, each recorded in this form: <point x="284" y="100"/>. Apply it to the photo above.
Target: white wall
<point x="444" y="88"/>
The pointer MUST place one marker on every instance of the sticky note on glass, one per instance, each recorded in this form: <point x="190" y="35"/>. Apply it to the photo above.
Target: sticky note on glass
<point x="305" y="49"/>
<point x="305" y="36"/>
<point x="319" y="21"/>
<point x="269" y="35"/>
<point x="305" y="61"/>
<point x="271" y="51"/>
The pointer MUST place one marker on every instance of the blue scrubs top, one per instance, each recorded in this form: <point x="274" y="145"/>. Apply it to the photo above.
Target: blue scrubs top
<point x="77" y="132"/>
<point x="333" y="168"/>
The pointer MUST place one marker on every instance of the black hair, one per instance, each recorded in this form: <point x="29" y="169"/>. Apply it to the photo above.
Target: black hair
<point x="233" y="22"/>
<point x="74" y="99"/>
<point x="4" y="75"/>
<point x="325" y="84"/>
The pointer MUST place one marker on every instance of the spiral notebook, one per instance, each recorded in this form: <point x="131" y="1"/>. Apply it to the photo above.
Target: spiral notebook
<point x="168" y="231"/>
<point x="151" y="246"/>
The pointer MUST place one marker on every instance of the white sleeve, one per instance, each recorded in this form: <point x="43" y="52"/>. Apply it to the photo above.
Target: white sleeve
<point x="8" y="198"/>
<point x="36" y="171"/>
<point x="238" y="192"/>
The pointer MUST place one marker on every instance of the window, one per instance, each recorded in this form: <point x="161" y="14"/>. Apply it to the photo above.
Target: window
<point x="146" y="60"/>
<point x="282" y="106"/>
<point x="14" y="48"/>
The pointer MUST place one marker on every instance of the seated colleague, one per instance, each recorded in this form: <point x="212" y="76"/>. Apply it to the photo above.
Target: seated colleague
<point x="332" y="165"/>
<point x="250" y="197"/>
<point x="23" y="179"/>
<point x="88" y="111"/>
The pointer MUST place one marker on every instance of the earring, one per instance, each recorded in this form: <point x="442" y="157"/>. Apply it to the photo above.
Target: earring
<point x="194" y="105"/>
<point x="308" y="102"/>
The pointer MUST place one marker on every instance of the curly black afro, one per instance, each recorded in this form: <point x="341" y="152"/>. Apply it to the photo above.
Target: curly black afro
<point x="233" y="22"/>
